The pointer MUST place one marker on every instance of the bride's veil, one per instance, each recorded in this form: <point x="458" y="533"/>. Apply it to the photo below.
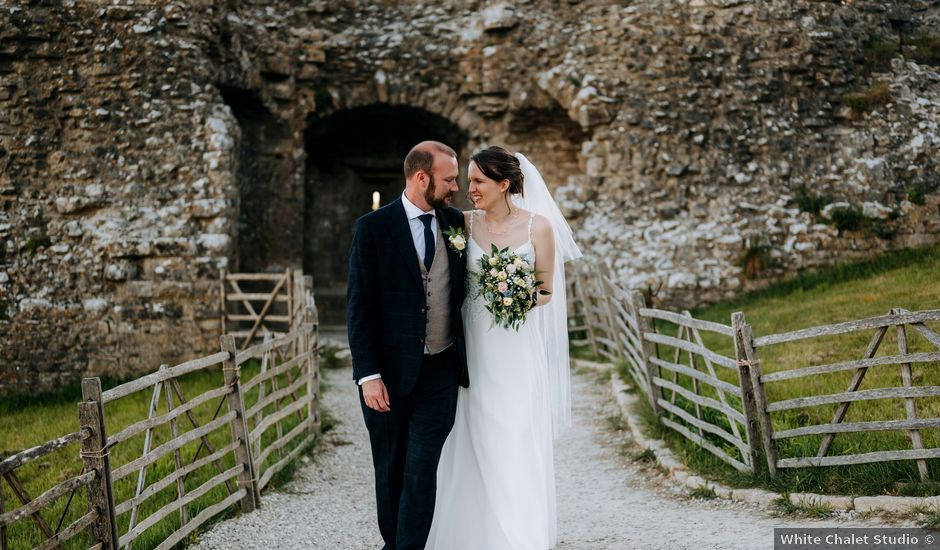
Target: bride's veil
<point x="552" y="318"/>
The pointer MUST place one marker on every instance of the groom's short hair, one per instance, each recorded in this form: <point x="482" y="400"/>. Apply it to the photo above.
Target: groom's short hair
<point x="421" y="157"/>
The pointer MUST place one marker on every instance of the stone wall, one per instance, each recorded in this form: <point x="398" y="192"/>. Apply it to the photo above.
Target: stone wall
<point x="117" y="188"/>
<point x="699" y="147"/>
<point x="728" y="122"/>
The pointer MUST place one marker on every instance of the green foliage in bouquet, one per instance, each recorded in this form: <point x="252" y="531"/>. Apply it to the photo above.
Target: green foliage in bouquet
<point x="508" y="284"/>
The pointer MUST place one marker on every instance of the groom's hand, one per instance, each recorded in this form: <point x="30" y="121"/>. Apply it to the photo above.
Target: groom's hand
<point x="375" y="395"/>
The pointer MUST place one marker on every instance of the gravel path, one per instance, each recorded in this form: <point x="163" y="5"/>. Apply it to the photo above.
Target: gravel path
<point x="604" y="500"/>
<point x="330" y="502"/>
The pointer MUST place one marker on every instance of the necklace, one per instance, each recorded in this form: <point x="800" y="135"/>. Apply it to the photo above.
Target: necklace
<point x="506" y="223"/>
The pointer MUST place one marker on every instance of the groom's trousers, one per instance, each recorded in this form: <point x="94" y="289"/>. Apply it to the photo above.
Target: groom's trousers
<point x="406" y="448"/>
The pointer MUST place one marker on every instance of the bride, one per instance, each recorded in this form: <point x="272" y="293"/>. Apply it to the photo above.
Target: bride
<point x="496" y="480"/>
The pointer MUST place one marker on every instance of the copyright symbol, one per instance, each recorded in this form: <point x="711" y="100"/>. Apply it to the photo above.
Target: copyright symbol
<point x="928" y="539"/>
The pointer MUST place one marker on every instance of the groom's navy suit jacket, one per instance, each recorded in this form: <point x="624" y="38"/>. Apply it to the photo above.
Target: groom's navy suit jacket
<point x="385" y="300"/>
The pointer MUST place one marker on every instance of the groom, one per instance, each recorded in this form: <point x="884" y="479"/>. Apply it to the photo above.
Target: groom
<point x="406" y="338"/>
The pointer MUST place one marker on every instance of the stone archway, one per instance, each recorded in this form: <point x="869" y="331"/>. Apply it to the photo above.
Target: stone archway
<point x="267" y="232"/>
<point x="352" y="154"/>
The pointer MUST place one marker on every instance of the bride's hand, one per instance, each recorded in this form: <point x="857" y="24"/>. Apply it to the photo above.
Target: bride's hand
<point x="375" y="395"/>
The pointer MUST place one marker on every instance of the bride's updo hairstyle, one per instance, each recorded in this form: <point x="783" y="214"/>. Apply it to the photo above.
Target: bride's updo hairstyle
<point x="499" y="164"/>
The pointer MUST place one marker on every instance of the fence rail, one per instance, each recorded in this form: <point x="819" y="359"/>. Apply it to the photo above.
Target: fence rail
<point x="270" y="303"/>
<point x="705" y="380"/>
<point x="187" y="440"/>
<point x="32" y="507"/>
<point x="289" y="361"/>
<point x="896" y="319"/>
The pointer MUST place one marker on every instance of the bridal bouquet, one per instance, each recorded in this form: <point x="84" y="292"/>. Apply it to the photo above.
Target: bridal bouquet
<point x="507" y="283"/>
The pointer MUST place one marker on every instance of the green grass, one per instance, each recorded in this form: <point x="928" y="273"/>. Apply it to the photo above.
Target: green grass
<point x="916" y="192"/>
<point x="906" y="279"/>
<point x="877" y="95"/>
<point x="926" y="49"/>
<point x="930" y="519"/>
<point x="25" y="423"/>
<point x="616" y="423"/>
<point x="703" y="493"/>
<point x="810" y="201"/>
<point x="328" y="358"/>
<point x="646" y="455"/>
<point x="815" y="510"/>
<point x="602" y="378"/>
<point x="878" y="52"/>
<point x="582" y="352"/>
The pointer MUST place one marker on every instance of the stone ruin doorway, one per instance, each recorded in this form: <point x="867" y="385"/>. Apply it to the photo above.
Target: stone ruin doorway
<point x="351" y="156"/>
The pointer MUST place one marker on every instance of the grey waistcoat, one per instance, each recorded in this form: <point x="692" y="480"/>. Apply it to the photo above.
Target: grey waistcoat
<point x="438" y="331"/>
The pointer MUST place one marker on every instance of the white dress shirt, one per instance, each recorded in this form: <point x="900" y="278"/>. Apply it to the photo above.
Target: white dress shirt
<point x="417" y="226"/>
<point x="417" y="234"/>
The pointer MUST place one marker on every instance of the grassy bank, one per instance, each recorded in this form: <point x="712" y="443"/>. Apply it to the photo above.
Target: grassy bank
<point x="23" y="426"/>
<point x="910" y="280"/>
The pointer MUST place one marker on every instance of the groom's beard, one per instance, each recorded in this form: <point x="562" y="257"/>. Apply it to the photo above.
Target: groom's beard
<point x="432" y="199"/>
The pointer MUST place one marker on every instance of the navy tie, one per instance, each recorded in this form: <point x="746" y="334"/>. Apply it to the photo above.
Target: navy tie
<point x="428" y="240"/>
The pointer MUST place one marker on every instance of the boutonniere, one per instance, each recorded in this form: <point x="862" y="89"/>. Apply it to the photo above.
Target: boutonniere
<point x="455" y="240"/>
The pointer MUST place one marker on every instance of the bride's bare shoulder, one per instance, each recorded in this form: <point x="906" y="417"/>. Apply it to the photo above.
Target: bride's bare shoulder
<point x="538" y="220"/>
<point x="541" y="227"/>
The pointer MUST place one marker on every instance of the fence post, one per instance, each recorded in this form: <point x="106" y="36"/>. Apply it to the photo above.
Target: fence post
<point x="95" y="458"/>
<point x="588" y="316"/>
<point x="3" y="526"/>
<point x="299" y="305"/>
<point x="744" y="338"/>
<point x="643" y="322"/>
<point x="595" y="303"/>
<point x="312" y="330"/>
<point x="642" y="369"/>
<point x="308" y="285"/>
<point x="236" y="402"/>
<point x="222" y="307"/>
<point x="313" y="376"/>
<point x="611" y="294"/>
<point x="291" y="285"/>
<point x="909" y="407"/>
<point x="747" y="392"/>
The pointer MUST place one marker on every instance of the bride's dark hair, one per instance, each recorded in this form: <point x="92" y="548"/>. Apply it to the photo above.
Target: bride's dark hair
<point x="499" y="164"/>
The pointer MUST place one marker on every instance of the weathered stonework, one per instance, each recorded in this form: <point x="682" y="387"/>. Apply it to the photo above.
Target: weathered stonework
<point x="144" y="148"/>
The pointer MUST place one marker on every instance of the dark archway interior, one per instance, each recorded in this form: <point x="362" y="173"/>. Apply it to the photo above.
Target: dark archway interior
<point x="350" y="156"/>
<point x="269" y="224"/>
<point x="550" y="139"/>
<point x="266" y="209"/>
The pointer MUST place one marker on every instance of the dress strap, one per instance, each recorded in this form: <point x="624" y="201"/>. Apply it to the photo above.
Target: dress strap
<point x="531" y="217"/>
<point x="470" y="231"/>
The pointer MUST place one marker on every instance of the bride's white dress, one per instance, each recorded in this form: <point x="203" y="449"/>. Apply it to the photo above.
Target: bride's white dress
<point x="496" y="479"/>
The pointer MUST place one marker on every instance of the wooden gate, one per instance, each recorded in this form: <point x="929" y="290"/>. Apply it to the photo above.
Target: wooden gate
<point x="254" y="305"/>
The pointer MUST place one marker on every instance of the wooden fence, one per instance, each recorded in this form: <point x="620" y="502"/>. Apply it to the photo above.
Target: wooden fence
<point x="898" y="320"/>
<point x="91" y="480"/>
<point x="230" y="436"/>
<point x="705" y="380"/>
<point x="255" y="304"/>
<point x="284" y="362"/>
